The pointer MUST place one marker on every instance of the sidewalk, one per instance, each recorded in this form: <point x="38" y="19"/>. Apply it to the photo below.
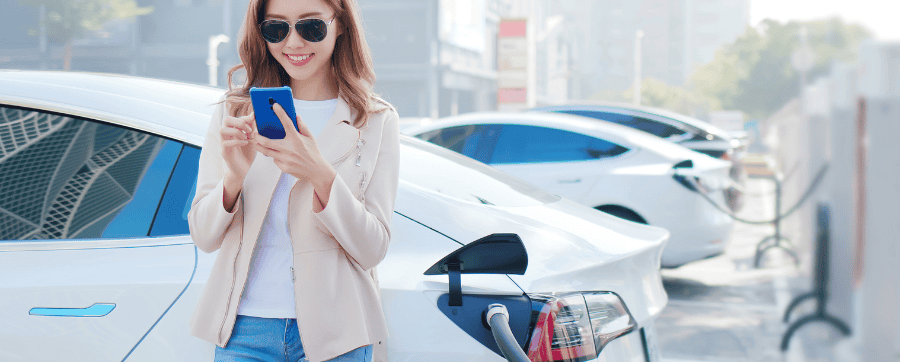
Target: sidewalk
<point x="724" y="309"/>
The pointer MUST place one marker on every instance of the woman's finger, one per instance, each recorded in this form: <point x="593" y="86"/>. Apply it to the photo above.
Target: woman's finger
<point x="239" y="123"/>
<point x="235" y="143"/>
<point x="304" y="130"/>
<point x="265" y="142"/>
<point x="268" y="152"/>
<point x="250" y="121"/>
<point x="285" y="120"/>
<point x="233" y="132"/>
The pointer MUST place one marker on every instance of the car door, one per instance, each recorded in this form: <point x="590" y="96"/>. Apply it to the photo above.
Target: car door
<point x="563" y="162"/>
<point x="80" y="278"/>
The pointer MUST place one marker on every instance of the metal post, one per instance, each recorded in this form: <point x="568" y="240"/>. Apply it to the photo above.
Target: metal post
<point x="774" y="241"/>
<point x="213" y="60"/>
<point x="637" y="66"/>
<point x="820" y="286"/>
<point x="804" y="46"/>
<point x="42" y="21"/>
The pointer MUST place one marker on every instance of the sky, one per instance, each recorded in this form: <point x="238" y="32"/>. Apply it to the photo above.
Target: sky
<point x="880" y="16"/>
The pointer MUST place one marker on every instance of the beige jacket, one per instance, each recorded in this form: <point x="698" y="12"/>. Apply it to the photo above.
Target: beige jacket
<point x="335" y="251"/>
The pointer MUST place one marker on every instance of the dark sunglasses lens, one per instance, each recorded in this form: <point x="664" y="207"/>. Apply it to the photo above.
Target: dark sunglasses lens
<point x="275" y="31"/>
<point x="313" y="30"/>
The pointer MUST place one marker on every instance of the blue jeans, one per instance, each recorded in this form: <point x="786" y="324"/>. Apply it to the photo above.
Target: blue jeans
<point x="274" y="339"/>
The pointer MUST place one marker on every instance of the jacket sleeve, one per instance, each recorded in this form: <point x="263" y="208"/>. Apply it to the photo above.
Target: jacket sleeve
<point x="364" y="228"/>
<point x="208" y="220"/>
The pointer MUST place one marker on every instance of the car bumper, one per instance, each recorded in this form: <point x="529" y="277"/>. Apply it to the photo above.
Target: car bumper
<point x="698" y="231"/>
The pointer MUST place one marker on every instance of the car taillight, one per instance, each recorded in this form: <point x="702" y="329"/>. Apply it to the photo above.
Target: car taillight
<point x="576" y="326"/>
<point x="725" y="156"/>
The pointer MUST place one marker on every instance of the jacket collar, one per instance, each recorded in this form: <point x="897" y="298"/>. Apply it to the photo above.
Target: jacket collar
<point x="342" y="112"/>
<point x="339" y="136"/>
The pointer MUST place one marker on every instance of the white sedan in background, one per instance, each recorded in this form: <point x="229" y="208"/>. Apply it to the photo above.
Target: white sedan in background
<point x="612" y="168"/>
<point x="98" y="172"/>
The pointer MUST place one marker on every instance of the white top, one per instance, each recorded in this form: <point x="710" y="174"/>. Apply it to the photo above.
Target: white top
<point x="269" y="292"/>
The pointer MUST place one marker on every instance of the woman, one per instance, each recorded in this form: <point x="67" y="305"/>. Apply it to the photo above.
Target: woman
<point x="300" y="223"/>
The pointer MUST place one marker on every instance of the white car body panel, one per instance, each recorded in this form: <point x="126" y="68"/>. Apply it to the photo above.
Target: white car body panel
<point x="570" y="248"/>
<point x="142" y="282"/>
<point x="640" y="180"/>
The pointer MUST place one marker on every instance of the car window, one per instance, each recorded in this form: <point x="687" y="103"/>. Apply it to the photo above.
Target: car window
<point x="533" y="144"/>
<point x="438" y="170"/>
<point x="171" y="217"/>
<point x="462" y="139"/>
<point x="660" y="129"/>
<point x="70" y="178"/>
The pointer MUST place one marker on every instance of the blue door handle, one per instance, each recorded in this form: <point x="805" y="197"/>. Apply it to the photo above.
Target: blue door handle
<point x="96" y="310"/>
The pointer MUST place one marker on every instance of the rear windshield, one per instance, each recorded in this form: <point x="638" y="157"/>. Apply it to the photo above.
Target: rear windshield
<point x="448" y="173"/>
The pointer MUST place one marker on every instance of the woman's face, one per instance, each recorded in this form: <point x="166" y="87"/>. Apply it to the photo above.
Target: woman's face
<point x="303" y="60"/>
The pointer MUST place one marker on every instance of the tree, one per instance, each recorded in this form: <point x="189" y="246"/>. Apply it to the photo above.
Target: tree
<point x="755" y="74"/>
<point x="66" y="20"/>
<point x="656" y="93"/>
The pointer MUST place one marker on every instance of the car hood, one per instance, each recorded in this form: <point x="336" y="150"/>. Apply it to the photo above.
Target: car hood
<point x="570" y="247"/>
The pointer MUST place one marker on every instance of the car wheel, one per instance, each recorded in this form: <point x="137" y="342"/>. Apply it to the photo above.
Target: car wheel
<point x="622" y="213"/>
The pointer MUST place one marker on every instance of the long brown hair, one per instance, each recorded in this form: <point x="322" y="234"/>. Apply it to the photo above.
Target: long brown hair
<point x="351" y="61"/>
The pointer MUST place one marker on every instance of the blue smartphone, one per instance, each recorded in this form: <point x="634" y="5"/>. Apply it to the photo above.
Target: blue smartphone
<point x="267" y="122"/>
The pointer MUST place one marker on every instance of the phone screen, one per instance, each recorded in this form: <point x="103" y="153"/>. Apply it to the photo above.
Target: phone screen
<point x="267" y="122"/>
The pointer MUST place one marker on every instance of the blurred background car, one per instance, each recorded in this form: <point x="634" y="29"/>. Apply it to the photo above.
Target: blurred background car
<point x="98" y="173"/>
<point x="686" y="131"/>
<point x="413" y="122"/>
<point x="606" y="166"/>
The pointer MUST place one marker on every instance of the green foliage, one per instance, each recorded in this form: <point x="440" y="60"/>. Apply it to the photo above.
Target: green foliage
<point x="656" y="93"/>
<point x="68" y="19"/>
<point x="755" y="74"/>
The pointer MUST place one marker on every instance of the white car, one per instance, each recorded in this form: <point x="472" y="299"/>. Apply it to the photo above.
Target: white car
<point x="613" y="168"/>
<point x="686" y="131"/>
<point x="97" y="174"/>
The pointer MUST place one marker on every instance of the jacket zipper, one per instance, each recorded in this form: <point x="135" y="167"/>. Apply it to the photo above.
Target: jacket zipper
<point x="233" y="271"/>
<point x="359" y="145"/>
<point x="293" y="277"/>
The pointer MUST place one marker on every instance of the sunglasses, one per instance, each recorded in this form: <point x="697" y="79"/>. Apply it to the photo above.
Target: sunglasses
<point x="312" y="29"/>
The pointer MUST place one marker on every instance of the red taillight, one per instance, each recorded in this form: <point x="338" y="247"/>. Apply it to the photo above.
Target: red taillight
<point x="725" y="156"/>
<point x="575" y="327"/>
<point x="560" y="333"/>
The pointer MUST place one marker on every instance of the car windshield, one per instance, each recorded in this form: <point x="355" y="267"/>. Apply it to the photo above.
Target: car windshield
<point x="448" y="173"/>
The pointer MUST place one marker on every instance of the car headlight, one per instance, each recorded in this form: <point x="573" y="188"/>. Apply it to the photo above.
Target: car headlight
<point x="576" y="326"/>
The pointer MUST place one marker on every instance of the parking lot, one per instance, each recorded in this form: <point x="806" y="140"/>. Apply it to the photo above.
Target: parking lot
<point x="724" y="309"/>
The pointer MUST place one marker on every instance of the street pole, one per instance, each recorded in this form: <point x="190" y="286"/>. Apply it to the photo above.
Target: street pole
<point x="805" y="64"/>
<point x="637" y="66"/>
<point x="212" y="60"/>
<point x="42" y="21"/>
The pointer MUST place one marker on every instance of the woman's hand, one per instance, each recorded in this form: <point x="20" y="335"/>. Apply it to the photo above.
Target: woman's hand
<point x="298" y="154"/>
<point x="237" y="151"/>
<point x="238" y="154"/>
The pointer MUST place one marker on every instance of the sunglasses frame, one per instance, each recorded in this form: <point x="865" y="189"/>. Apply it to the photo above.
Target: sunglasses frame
<point x="293" y="26"/>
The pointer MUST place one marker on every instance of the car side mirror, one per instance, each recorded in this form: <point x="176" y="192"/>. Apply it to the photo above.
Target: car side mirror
<point x="684" y="164"/>
<point x="492" y="254"/>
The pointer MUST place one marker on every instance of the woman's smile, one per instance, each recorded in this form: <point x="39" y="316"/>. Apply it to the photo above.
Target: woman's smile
<point x="299" y="59"/>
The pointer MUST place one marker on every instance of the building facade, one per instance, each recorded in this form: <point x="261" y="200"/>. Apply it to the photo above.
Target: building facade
<point x="432" y="57"/>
